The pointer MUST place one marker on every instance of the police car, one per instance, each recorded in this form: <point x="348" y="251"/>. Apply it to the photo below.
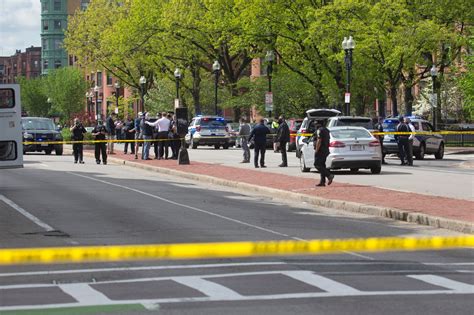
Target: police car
<point x="208" y="130"/>
<point x="422" y="143"/>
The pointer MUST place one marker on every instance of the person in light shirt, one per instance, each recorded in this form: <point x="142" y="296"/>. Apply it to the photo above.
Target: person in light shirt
<point x="163" y="126"/>
<point x="410" y="141"/>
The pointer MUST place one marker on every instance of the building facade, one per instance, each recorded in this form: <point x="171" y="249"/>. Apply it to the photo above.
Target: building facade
<point x="22" y="64"/>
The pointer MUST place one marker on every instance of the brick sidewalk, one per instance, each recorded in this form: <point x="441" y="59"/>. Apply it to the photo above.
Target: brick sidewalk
<point x="449" y="208"/>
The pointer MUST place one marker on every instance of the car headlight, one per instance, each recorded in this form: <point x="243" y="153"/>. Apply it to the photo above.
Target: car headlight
<point x="58" y="136"/>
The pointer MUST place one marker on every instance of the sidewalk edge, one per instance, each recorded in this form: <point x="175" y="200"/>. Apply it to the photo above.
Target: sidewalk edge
<point x="392" y="213"/>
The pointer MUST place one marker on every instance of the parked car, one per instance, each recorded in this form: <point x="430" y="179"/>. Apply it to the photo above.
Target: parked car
<point x="422" y="143"/>
<point x="355" y="121"/>
<point x="208" y="130"/>
<point x="308" y="125"/>
<point x="294" y="124"/>
<point x="349" y="147"/>
<point x="42" y="131"/>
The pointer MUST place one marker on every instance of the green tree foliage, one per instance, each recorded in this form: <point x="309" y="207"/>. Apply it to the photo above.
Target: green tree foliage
<point x="33" y="97"/>
<point x="467" y="86"/>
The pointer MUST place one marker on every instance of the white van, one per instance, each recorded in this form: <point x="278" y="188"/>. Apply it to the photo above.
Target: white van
<point x="11" y="146"/>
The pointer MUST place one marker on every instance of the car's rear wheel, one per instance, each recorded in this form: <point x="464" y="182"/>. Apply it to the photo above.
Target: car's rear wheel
<point x="194" y="145"/>
<point x="421" y="152"/>
<point x="59" y="151"/>
<point x="48" y="151"/>
<point x="376" y="169"/>
<point x="298" y="153"/>
<point x="440" y="154"/>
<point x="225" y="146"/>
<point x="354" y="170"/>
<point x="303" y="167"/>
<point x="216" y="146"/>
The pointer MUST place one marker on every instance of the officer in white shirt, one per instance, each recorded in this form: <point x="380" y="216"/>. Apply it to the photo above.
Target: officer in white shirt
<point x="410" y="141"/>
<point x="163" y="126"/>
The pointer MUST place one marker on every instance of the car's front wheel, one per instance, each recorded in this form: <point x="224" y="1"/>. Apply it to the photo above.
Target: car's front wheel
<point x="194" y="145"/>
<point x="376" y="169"/>
<point x="421" y="153"/>
<point x="59" y="151"/>
<point x="303" y="167"/>
<point x="48" y="151"/>
<point x="440" y="154"/>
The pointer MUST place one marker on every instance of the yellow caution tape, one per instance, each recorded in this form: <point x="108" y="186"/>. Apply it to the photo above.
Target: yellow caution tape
<point x="226" y="250"/>
<point x="378" y="133"/>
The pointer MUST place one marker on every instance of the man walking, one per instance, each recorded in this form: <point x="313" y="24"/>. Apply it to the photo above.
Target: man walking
<point x="283" y="137"/>
<point x="402" y="141"/>
<point x="147" y="132"/>
<point x="409" y="152"/>
<point x="321" y="152"/>
<point x="78" y="132"/>
<point x="110" y="125"/>
<point x="259" y="134"/>
<point x="129" y="130"/>
<point x="244" y="133"/>
<point x="99" y="133"/>
<point x="138" y="134"/>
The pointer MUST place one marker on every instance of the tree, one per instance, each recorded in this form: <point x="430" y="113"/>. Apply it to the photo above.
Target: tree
<point x="65" y="87"/>
<point x="33" y="97"/>
<point x="467" y="86"/>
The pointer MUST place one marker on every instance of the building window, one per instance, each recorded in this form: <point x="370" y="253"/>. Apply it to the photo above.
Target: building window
<point x="45" y="64"/>
<point x="44" y="6"/>
<point x="99" y="78"/>
<point x="23" y="65"/>
<point x="45" y="25"/>
<point x="109" y="79"/>
<point x="57" y="24"/>
<point x="57" y="5"/>
<point x="57" y="63"/>
<point x="57" y="43"/>
<point x="36" y="63"/>
<point x="44" y="44"/>
<point x="93" y="77"/>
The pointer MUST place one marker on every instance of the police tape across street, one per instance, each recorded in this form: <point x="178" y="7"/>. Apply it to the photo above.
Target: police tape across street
<point x="55" y="255"/>
<point x="377" y="133"/>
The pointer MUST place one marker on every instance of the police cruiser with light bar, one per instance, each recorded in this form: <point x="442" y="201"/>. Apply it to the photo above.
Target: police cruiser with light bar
<point x="208" y="130"/>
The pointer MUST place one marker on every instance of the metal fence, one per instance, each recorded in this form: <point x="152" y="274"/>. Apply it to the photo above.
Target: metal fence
<point x="458" y="140"/>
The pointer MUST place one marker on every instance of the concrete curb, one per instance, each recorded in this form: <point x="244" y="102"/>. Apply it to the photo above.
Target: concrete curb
<point x="392" y="213"/>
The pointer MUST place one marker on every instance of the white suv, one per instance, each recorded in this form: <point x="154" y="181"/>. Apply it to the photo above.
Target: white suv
<point x="208" y="130"/>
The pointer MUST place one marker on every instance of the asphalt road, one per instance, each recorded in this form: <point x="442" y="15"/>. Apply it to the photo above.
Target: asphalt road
<point x="95" y="204"/>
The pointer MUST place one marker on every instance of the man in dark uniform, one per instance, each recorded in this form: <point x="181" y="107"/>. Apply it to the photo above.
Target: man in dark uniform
<point x="129" y="130"/>
<point x="78" y="132"/>
<point x="111" y="132"/>
<point x="259" y="134"/>
<point x="99" y="133"/>
<point x="321" y="152"/>
<point x="379" y="128"/>
<point x="402" y="141"/>
<point x="283" y="137"/>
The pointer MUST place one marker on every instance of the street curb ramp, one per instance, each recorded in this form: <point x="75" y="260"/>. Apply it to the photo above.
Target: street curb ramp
<point x="392" y="213"/>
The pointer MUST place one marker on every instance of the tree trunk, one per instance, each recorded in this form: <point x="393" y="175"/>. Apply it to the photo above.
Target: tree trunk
<point x="408" y="99"/>
<point x="393" y="98"/>
<point x="196" y="90"/>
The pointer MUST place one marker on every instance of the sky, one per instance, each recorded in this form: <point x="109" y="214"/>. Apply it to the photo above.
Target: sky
<point x="20" y="22"/>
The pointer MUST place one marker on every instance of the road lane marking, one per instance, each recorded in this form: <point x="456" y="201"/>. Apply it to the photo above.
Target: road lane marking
<point x="204" y="211"/>
<point x="84" y="293"/>
<point x="144" y="268"/>
<point x="321" y="282"/>
<point x="28" y="215"/>
<point x="209" y="288"/>
<point x="444" y="282"/>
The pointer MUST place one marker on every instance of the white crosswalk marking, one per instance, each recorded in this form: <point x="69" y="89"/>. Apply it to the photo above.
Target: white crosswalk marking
<point x="444" y="282"/>
<point x="83" y="293"/>
<point x="211" y="289"/>
<point x="321" y="282"/>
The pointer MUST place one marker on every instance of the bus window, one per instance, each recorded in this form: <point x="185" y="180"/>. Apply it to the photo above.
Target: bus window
<point x="7" y="98"/>
<point x="8" y="151"/>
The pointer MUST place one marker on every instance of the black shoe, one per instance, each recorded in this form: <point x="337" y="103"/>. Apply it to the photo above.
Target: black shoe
<point x="321" y="185"/>
<point x="136" y="157"/>
<point x="98" y="162"/>
<point x="105" y="163"/>
<point x="75" y="162"/>
<point x="330" y="178"/>
<point x="256" y="166"/>
<point x="81" y="162"/>
<point x="403" y="163"/>
<point x="283" y="165"/>
<point x="263" y="166"/>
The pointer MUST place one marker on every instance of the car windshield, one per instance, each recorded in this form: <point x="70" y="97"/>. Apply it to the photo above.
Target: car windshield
<point x="298" y="125"/>
<point x="212" y="122"/>
<point x="366" y="123"/>
<point x="350" y="133"/>
<point x="38" y="124"/>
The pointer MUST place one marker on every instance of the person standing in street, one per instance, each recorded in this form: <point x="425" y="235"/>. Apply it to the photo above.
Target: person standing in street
<point x="173" y="136"/>
<point x="99" y="133"/>
<point x="379" y="128"/>
<point x="274" y="127"/>
<point x="111" y="132"/>
<point x="321" y="152"/>
<point x="129" y="131"/>
<point x="78" y="132"/>
<point x="244" y="133"/>
<point x="409" y="152"/>
<point x="402" y="141"/>
<point x="163" y="125"/>
<point x="282" y="138"/>
<point x="138" y="134"/>
<point x="147" y="132"/>
<point x="259" y="134"/>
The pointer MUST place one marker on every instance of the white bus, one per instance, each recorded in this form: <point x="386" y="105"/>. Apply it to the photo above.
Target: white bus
<point x="11" y="137"/>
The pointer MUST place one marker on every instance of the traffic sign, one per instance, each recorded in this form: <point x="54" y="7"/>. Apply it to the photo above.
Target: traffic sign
<point x="434" y="100"/>
<point x="347" y="98"/>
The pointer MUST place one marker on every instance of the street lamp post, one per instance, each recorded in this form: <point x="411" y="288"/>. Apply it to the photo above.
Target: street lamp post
<point x="177" y="76"/>
<point x="142" y="93"/>
<point x="96" y="91"/>
<point x="216" y="68"/>
<point x="348" y="45"/>
<point x="269" y="58"/>
<point x="117" y="94"/>
<point x="434" y="98"/>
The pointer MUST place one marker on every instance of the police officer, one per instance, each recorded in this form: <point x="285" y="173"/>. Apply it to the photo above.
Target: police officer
<point x="78" y="132"/>
<point x="321" y="152"/>
<point x="402" y="141"/>
<point x="99" y="133"/>
<point x="259" y="134"/>
<point x="379" y="128"/>
<point x="129" y="130"/>
<point x="283" y="137"/>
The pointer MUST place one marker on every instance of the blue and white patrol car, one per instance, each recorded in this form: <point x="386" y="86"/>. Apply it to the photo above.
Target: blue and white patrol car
<point x="208" y="130"/>
<point x="422" y="143"/>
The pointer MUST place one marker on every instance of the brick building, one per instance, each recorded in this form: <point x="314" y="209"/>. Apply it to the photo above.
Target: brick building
<point x="22" y="64"/>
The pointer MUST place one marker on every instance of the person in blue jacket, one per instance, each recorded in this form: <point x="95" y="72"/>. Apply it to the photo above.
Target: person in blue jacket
<point x="259" y="136"/>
